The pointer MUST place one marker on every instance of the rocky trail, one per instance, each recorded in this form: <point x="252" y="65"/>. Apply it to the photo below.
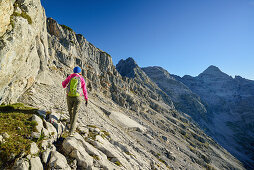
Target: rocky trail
<point x="130" y="122"/>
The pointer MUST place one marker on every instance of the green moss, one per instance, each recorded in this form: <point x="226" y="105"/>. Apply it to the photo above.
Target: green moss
<point x="64" y="134"/>
<point x="128" y="153"/>
<point x="192" y="149"/>
<point x="92" y="126"/>
<point x="15" y="120"/>
<point x="23" y="15"/>
<point x="96" y="157"/>
<point x="118" y="163"/>
<point x="27" y="17"/>
<point x="161" y="160"/>
<point x="66" y="27"/>
<point x="107" y="135"/>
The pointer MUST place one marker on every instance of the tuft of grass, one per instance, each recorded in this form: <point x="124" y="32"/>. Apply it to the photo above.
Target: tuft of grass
<point x="118" y="163"/>
<point x="66" y="27"/>
<point x="23" y="15"/>
<point x="96" y="157"/>
<point x="105" y="134"/>
<point x="27" y="17"/>
<point x="15" y="120"/>
<point x="128" y="153"/>
<point x="92" y="135"/>
<point x="92" y="126"/>
<point x="17" y="107"/>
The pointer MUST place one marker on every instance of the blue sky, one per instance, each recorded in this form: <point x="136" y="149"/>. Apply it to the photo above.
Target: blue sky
<point x="182" y="36"/>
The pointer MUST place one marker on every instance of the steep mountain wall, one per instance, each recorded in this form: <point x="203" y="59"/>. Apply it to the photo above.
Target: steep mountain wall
<point x="146" y="131"/>
<point x="229" y="102"/>
<point x="184" y="99"/>
<point x="232" y="103"/>
<point x="23" y="47"/>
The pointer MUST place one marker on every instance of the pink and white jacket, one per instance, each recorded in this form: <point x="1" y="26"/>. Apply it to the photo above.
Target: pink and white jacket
<point x="83" y="84"/>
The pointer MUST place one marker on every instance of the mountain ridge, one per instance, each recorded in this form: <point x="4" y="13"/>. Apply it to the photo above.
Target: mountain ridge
<point x="228" y="101"/>
<point x="130" y="123"/>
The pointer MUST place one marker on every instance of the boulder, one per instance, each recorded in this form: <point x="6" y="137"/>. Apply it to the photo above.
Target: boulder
<point x="36" y="135"/>
<point x="34" y="149"/>
<point x="5" y="135"/>
<point x="42" y="113"/>
<point x="39" y="122"/>
<point x="59" y="128"/>
<point x="21" y="164"/>
<point x="35" y="163"/>
<point x="1" y="139"/>
<point x="58" y="161"/>
<point x="74" y="148"/>
<point x="45" y="156"/>
<point x="52" y="130"/>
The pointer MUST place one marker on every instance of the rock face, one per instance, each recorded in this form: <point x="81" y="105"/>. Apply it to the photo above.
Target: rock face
<point x="228" y="101"/>
<point x="184" y="99"/>
<point x="23" y="47"/>
<point x="232" y="103"/>
<point x="154" y="136"/>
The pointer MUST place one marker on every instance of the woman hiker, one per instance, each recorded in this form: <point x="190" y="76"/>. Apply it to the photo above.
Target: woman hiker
<point x="75" y="83"/>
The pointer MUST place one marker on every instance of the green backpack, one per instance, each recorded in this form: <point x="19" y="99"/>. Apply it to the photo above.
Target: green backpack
<point x="74" y="87"/>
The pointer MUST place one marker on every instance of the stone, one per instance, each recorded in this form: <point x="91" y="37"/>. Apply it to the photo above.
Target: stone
<point x="75" y="149"/>
<point x="5" y="135"/>
<point x="54" y="116"/>
<point x="52" y="130"/>
<point x="45" y="156"/>
<point x="35" y="163"/>
<point x="83" y="130"/>
<point x="6" y="9"/>
<point x="34" y="149"/>
<point x="164" y="138"/>
<point x="39" y="123"/>
<point x="45" y="132"/>
<point x="45" y="144"/>
<point x="73" y="164"/>
<point x="1" y="139"/>
<point x="21" y="164"/>
<point x="18" y="63"/>
<point x="45" y="78"/>
<point x="36" y="135"/>
<point x="42" y="113"/>
<point x="59" y="128"/>
<point x="149" y="136"/>
<point x="58" y="161"/>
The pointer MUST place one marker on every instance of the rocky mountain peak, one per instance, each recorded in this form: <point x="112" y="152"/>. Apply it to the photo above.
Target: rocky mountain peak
<point x="156" y="70"/>
<point x="213" y="71"/>
<point x="126" y="67"/>
<point x="129" y="123"/>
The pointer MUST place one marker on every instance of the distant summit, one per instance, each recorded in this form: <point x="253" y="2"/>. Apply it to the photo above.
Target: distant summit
<point x="213" y="71"/>
<point x="157" y="70"/>
<point x="126" y="67"/>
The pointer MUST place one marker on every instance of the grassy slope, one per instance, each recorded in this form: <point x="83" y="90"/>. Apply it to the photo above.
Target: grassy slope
<point x="15" y="120"/>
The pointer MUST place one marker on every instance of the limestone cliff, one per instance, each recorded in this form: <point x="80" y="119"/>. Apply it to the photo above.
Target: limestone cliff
<point x="229" y="102"/>
<point x="130" y="123"/>
<point x="184" y="99"/>
<point x="23" y="47"/>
